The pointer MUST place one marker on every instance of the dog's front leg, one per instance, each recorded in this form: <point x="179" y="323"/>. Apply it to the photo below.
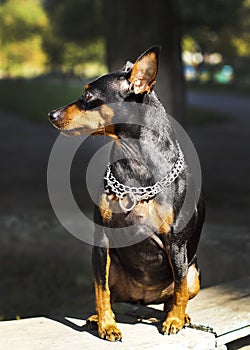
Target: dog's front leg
<point x="177" y="317"/>
<point x="105" y="320"/>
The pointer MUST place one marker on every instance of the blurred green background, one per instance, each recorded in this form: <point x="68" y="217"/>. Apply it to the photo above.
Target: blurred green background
<point x="205" y="44"/>
<point x="49" y="36"/>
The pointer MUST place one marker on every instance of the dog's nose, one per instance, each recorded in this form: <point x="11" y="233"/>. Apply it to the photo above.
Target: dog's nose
<point x="54" y="115"/>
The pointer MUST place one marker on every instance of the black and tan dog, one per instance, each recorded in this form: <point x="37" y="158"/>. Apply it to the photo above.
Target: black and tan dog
<point x="145" y="188"/>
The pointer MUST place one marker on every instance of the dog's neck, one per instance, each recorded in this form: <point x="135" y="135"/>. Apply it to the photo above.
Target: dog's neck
<point x="145" y="151"/>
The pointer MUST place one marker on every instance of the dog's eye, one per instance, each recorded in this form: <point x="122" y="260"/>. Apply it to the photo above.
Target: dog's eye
<point x="88" y="96"/>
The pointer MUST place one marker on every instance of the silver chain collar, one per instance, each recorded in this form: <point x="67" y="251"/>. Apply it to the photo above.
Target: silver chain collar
<point x="137" y="194"/>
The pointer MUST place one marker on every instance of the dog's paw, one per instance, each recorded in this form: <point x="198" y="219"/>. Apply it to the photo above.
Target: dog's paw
<point x="107" y="331"/>
<point x="173" y="324"/>
<point x="110" y="332"/>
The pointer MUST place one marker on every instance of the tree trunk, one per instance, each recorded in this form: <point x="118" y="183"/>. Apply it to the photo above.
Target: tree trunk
<point x="132" y="27"/>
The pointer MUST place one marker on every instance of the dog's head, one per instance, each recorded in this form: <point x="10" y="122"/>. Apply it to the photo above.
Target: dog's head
<point x="92" y="113"/>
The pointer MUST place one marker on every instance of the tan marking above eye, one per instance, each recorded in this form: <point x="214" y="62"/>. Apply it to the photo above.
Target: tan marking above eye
<point x="88" y="95"/>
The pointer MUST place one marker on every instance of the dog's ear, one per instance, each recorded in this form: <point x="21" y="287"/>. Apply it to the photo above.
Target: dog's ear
<point x="144" y="71"/>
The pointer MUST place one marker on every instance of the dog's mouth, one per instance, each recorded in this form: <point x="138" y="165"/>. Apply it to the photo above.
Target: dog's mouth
<point x="73" y="121"/>
<point x="82" y="131"/>
<point x="67" y="129"/>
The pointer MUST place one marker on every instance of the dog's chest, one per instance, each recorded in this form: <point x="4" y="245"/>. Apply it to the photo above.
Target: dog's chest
<point x="157" y="216"/>
<point x="146" y="262"/>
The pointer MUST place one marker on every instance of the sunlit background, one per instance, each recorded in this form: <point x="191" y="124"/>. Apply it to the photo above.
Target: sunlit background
<point x="48" y="36"/>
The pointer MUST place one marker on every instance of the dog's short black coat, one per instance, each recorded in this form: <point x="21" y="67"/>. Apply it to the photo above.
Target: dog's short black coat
<point x="161" y="265"/>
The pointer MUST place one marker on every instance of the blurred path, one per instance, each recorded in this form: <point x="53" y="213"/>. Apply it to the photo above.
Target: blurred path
<point x="225" y="103"/>
<point x="224" y="152"/>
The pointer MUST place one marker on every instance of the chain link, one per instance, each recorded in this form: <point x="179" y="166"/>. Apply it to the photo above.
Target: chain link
<point x="137" y="194"/>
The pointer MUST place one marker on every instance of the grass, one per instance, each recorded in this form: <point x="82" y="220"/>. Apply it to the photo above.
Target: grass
<point x="35" y="98"/>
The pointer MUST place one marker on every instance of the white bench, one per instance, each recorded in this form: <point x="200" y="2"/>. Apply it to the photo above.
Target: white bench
<point x="225" y="308"/>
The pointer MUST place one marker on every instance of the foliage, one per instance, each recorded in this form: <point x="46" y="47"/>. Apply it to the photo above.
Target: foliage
<point x="189" y="44"/>
<point x="77" y="20"/>
<point x="216" y="24"/>
<point x="87" y="61"/>
<point x="41" y="35"/>
<point x="20" y="19"/>
<point x="75" y="33"/>
<point x="69" y="56"/>
<point x="242" y="40"/>
<point x="37" y="36"/>
<point x="21" y="27"/>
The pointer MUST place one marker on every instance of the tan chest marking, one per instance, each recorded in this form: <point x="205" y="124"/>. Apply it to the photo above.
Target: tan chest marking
<point x="105" y="207"/>
<point x="161" y="217"/>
